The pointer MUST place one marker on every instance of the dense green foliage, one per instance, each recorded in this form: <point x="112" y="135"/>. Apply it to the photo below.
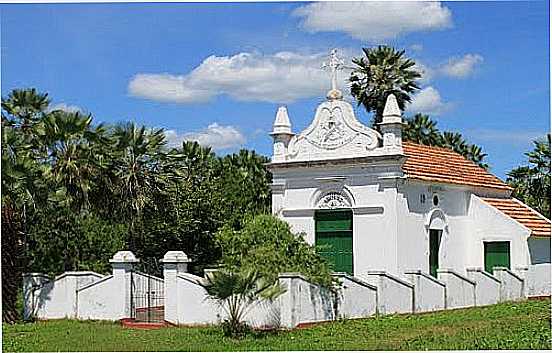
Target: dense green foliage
<point x="531" y="182"/>
<point x="74" y="193"/>
<point x="518" y="325"/>
<point x="380" y="72"/>
<point x="252" y="258"/>
<point x="267" y="246"/>
<point x="421" y="129"/>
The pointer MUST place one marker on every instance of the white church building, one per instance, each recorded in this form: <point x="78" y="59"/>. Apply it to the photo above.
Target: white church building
<point x="373" y="202"/>
<point x="406" y="228"/>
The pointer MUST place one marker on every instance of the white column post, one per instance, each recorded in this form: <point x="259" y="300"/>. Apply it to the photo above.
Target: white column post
<point x="122" y="264"/>
<point x="174" y="263"/>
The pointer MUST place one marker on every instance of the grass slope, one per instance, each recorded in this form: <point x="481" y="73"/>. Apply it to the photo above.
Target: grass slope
<point x="519" y="325"/>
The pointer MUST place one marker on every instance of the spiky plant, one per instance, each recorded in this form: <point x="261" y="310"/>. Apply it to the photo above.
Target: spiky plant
<point x="236" y="293"/>
<point x="381" y="71"/>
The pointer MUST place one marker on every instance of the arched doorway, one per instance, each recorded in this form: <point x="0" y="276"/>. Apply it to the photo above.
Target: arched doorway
<point x="436" y="223"/>
<point x="334" y="230"/>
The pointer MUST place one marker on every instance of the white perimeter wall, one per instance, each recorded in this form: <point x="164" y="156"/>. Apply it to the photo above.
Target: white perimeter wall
<point x="356" y="298"/>
<point x="460" y="289"/>
<point x="54" y="298"/>
<point x="395" y="295"/>
<point x="429" y="292"/>
<point x="487" y="286"/>
<point x="511" y="284"/>
<point x="538" y="279"/>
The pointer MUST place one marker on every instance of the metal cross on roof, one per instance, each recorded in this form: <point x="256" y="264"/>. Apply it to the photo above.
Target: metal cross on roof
<point x="335" y="63"/>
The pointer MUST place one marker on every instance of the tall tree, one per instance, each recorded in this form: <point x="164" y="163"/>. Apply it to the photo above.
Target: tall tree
<point x="380" y="72"/>
<point x="22" y="186"/>
<point x="136" y="167"/>
<point x="531" y="182"/>
<point x="68" y="138"/>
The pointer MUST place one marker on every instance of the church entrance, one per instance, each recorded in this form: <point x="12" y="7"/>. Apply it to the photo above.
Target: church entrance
<point x="334" y="238"/>
<point x="434" y="243"/>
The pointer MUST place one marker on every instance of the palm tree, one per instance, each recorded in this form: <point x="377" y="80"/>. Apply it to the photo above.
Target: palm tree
<point x="236" y="293"/>
<point x="421" y="129"/>
<point x="136" y="168"/>
<point x="20" y="180"/>
<point x="22" y="185"/>
<point x="68" y="139"/>
<point x="25" y="107"/>
<point x="455" y="141"/>
<point x="381" y="72"/>
<point x="531" y="182"/>
<point x="476" y="155"/>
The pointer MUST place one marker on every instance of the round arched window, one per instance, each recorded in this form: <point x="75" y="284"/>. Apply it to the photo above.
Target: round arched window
<point x="435" y="200"/>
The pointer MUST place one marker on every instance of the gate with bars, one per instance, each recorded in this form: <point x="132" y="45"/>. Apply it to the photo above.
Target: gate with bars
<point x="147" y="292"/>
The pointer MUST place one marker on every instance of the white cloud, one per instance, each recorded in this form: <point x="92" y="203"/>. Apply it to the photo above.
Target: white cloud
<point x="374" y="20"/>
<point x="455" y="67"/>
<point x="461" y="67"/>
<point x="166" y="88"/>
<point x="278" y="78"/>
<point x="65" y="107"/>
<point x="428" y="100"/>
<point x="416" y="47"/>
<point x="216" y="136"/>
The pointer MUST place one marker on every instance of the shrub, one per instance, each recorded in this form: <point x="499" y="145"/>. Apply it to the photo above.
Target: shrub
<point x="267" y="245"/>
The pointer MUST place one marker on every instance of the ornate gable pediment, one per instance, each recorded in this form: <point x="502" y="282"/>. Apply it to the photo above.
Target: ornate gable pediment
<point x="334" y="133"/>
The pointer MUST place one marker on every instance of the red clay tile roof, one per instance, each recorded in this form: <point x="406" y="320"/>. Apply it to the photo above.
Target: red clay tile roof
<point x="538" y="224"/>
<point x="444" y="165"/>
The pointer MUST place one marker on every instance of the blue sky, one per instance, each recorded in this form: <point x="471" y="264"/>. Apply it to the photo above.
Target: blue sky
<point x="218" y="72"/>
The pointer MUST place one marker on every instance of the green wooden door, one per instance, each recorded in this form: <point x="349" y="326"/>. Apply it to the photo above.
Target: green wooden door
<point x="334" y="238"/>
<point x="434" y="243"/>
<point x="497" y="253"/>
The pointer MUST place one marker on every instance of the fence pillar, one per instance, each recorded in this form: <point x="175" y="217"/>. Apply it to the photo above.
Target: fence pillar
<point x="122" y="264"/>
<point x="174" y="263"/>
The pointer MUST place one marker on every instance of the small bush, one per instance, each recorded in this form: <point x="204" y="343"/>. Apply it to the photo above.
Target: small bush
<point x="267" y="245"/>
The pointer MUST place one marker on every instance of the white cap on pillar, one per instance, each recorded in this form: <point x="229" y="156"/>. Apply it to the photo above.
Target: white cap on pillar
<point x="175" y="257"/>
<point x="124" y="257"/>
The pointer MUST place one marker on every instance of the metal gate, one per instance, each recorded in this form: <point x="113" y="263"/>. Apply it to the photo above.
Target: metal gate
<point x="147" y="293"/>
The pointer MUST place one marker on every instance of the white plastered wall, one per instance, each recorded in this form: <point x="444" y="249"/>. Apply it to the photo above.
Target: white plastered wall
<point x="372" y="201"/>
<point x="489" y="224"/>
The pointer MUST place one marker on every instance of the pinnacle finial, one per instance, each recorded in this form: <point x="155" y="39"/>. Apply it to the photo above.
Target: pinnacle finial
<point x="281" y="123"/>
<point x="391" y="109"/>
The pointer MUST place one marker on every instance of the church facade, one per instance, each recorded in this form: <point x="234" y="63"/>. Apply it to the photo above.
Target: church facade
<point x="373" y="202"/>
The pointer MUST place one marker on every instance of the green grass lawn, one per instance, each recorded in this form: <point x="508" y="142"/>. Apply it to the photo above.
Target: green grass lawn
<point x="519" y="325"/>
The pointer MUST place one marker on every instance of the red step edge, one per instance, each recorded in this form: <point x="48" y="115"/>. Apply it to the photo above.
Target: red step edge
<point x="132" y="323"/>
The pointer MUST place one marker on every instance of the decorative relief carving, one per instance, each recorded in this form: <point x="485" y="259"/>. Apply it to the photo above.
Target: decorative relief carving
<point x="334" y="132"/>
<point x="334" y="199"/>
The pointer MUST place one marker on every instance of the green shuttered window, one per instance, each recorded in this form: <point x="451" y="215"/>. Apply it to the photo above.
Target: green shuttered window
<point x="334" y="238"/>
<point x="497" y="253"/>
